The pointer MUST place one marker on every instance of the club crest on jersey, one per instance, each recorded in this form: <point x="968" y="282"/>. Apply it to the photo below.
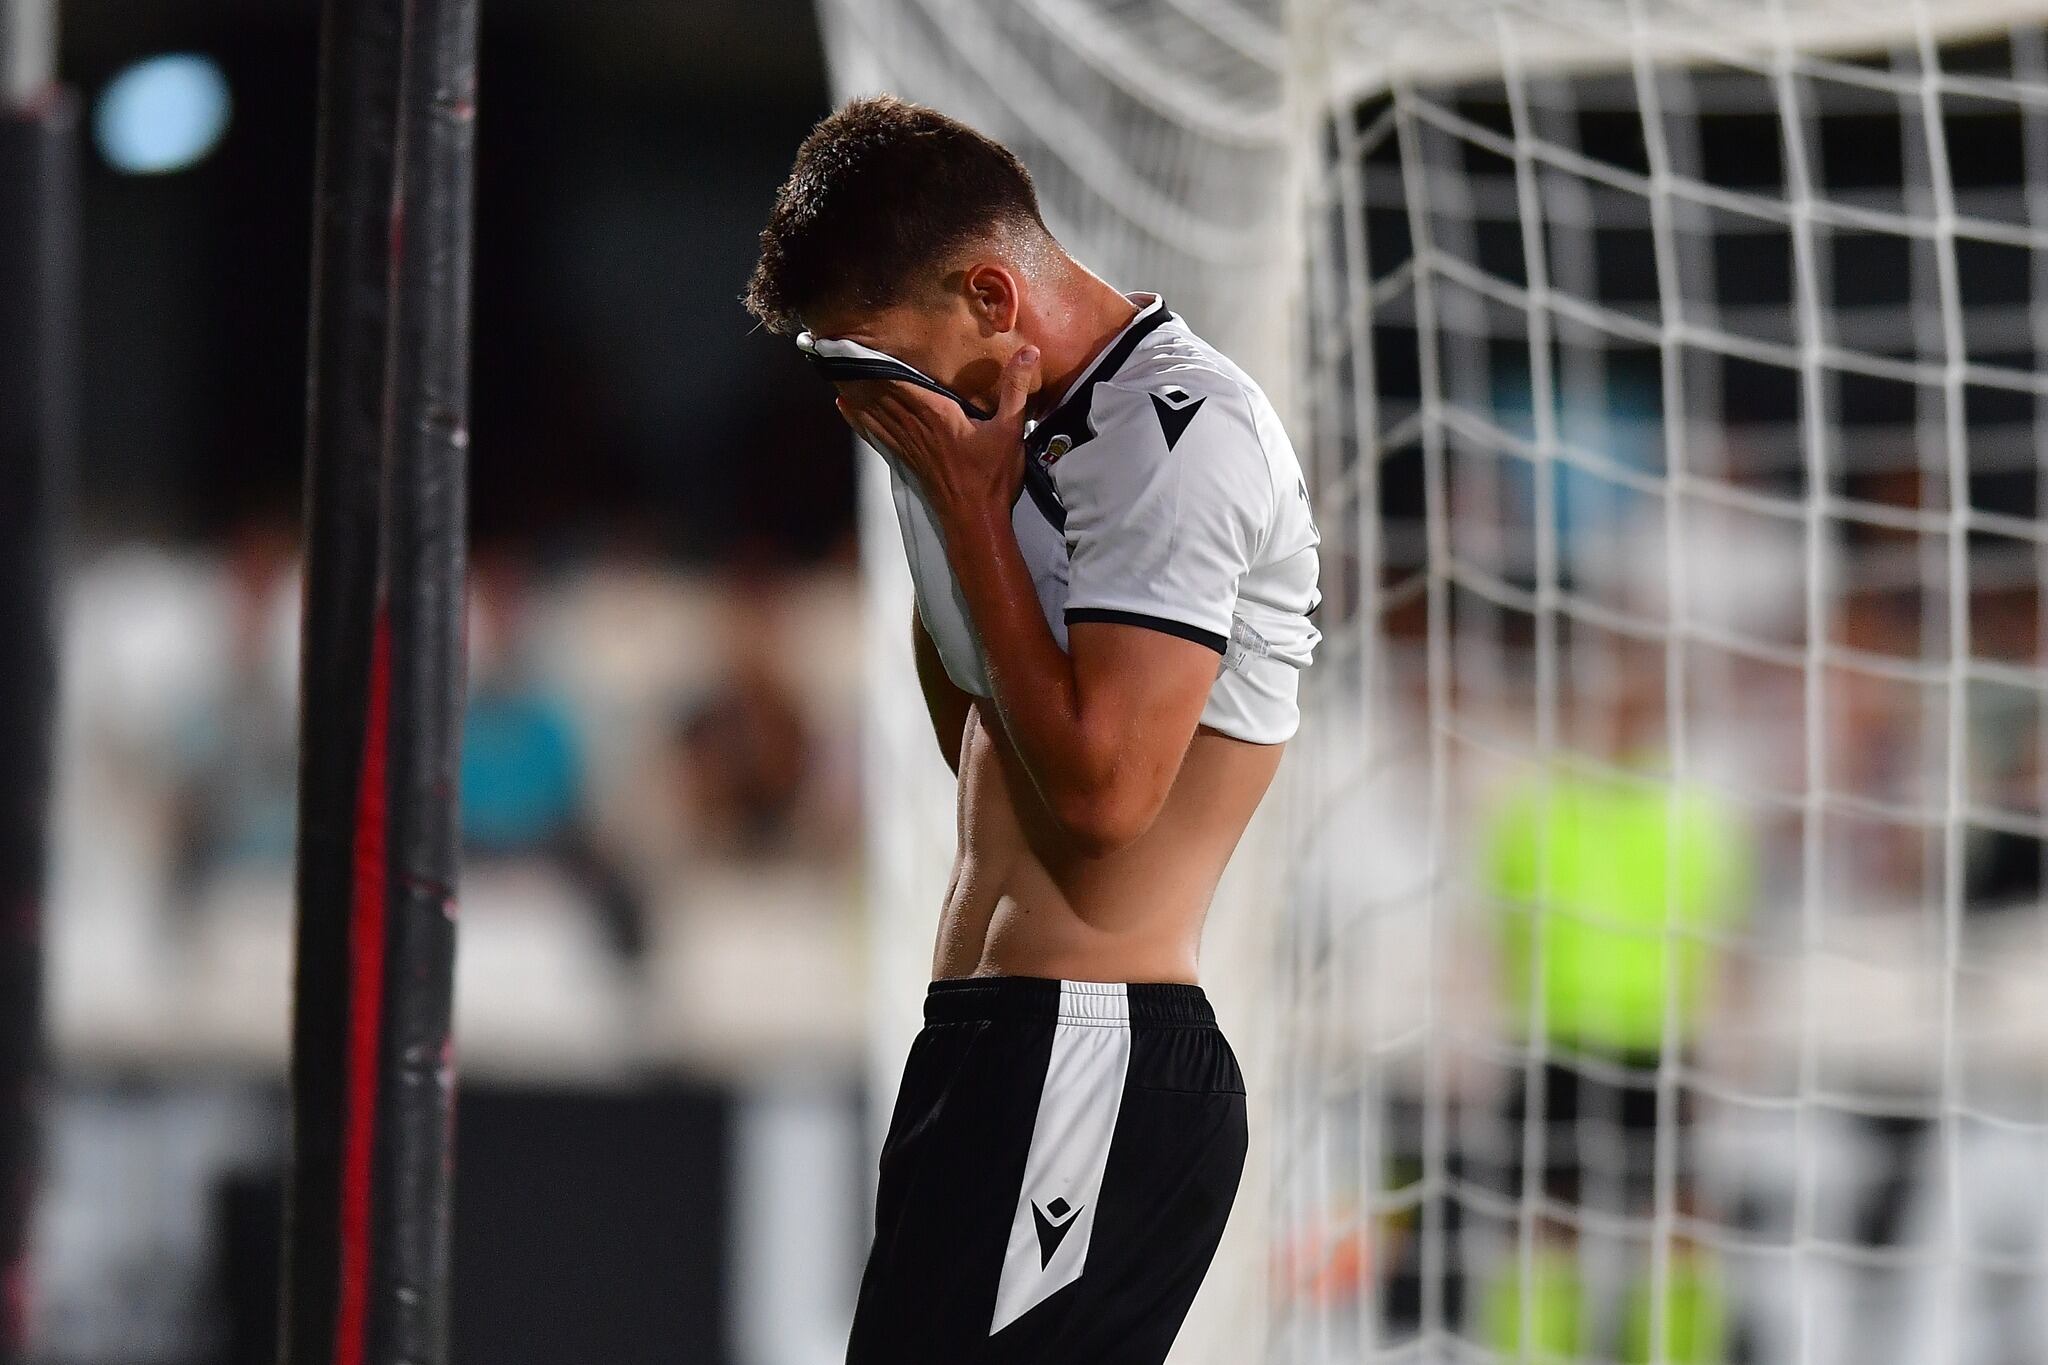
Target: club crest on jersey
<point x="1175" y="407"/>
<point x="1056" y="447"/>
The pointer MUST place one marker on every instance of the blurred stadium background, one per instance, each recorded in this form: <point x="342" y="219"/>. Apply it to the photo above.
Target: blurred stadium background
<point x="1647" y="958"/>
<point x="662" y="984"/>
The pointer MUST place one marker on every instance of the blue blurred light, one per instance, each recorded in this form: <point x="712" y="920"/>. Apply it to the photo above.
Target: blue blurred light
<point x="163" y="114"/>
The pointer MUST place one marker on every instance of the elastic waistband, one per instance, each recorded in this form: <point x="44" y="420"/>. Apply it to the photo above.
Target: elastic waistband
<point x="1108" y="1003"/>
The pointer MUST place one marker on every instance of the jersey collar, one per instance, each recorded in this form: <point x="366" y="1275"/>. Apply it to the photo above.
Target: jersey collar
<point x="1070" y="418"/>
<point x="847" y="361"/>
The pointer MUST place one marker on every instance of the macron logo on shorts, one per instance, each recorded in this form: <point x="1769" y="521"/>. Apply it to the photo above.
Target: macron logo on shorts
<point x="1054" y="1220"/>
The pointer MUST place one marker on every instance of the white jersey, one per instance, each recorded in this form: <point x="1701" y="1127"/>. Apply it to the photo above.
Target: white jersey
<point x="1163" y="493"/>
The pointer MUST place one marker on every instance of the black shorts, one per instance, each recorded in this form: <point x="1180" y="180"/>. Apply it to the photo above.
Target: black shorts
<point x="1060" y="1165"/>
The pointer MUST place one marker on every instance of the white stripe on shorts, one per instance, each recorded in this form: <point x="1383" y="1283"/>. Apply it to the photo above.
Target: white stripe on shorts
<point x="1077" y="1112"/>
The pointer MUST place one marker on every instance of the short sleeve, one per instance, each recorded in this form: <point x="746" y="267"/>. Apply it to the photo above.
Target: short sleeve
<point x="1165" y="509"/>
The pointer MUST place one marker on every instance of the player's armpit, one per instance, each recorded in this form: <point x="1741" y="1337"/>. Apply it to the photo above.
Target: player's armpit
<point x="1141" y="693"/>
<point x="943" y="699"/>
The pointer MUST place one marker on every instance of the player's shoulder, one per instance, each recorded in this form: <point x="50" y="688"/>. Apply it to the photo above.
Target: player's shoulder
<point x="1177" y="393"/>
<point x="1174" y="362"/>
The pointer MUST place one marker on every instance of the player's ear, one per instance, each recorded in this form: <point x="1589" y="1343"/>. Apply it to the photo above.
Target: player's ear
<point x="993" y="294"/>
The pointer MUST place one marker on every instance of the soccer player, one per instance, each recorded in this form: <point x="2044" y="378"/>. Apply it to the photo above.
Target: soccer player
<point x="1115" y="564"/>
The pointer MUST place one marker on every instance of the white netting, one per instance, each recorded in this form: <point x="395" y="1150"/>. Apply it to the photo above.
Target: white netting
<point x="1670" y="376"/>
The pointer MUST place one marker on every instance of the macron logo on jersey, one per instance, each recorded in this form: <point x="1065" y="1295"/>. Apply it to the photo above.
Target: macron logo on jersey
<point x="1175" y="408"/>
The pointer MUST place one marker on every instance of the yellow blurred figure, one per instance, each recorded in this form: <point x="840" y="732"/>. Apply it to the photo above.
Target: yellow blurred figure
<point x="1612" y="891"/>
<point x="1629" y="881"/>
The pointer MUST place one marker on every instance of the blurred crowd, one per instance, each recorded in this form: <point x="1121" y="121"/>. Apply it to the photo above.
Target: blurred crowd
<point x="658" y="774"/>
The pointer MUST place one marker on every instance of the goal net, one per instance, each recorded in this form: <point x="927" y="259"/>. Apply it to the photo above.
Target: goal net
<point x="1645" y="958"/>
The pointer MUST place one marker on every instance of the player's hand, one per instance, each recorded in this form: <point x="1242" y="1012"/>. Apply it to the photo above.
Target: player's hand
<point x="966" y="468"/>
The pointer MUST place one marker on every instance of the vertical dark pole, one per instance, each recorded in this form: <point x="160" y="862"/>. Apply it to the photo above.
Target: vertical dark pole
<point x="37" y="296"/>
<point x="367" y="1243"/>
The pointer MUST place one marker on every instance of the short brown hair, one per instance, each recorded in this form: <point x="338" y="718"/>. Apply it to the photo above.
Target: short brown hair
<point x="879" y="189"/>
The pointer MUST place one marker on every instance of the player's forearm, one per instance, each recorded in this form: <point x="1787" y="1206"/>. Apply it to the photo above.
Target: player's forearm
<point x="1070" y="760"/>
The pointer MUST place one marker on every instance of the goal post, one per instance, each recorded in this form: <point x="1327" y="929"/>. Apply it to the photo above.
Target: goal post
<point x="1642" y="957"/>
<point x="366" y="1274"/>
<point x="39" y="278"/>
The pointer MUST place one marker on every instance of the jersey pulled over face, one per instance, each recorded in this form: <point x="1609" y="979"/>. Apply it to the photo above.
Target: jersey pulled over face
<point x="1162" y="493"/>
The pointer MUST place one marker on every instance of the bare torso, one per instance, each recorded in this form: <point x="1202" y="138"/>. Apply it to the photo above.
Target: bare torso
<point x="1022" y="902"/>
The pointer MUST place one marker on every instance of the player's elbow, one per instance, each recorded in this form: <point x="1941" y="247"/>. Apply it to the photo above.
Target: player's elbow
<point x="1104" y="819"/>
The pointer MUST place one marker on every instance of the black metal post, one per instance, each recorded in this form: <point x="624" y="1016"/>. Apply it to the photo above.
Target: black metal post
<point x="38" y="280"/>
<point x="367" y="1242"/>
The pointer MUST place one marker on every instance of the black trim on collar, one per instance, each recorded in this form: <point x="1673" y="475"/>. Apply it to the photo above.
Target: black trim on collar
<point x="1078" y="615"/>
<point x="840" y="371"/>
<point x="847" y="362"/>
<point x="1071" y="418"/>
